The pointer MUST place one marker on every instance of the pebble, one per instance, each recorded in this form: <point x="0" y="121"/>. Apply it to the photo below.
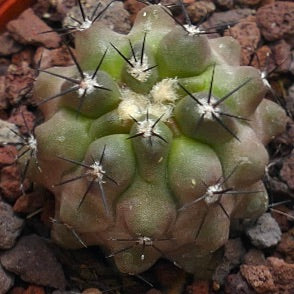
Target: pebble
<point x="133" y="7"/>
<point x="10" y="226"/>
<point x="286" y="245"/>
<point x="29" y="202"/>
<point x="19" y="81"/>
<point x="7" y="155"/>
<point x="282" y="56"/>
<point x="34" y="261"/>
<point x="24" y="56"/>
<point x="10" y="182"/>
<point x="8" y="45"/>
<point x="200" y="9"/>
<point x="24" y="119"/>
<point x="66" y="292"/>
<point x="6" y="281"/>
<point x="234" y="252"/>
<point x="282" y="273"/>
<point x="169" y="277"/>
<point x="235" y="283"/>
<point x="117" y="18"/>
<point x="51" y="10"/>
<point x="276" y="20"/>
<point x="63" y="6"/>
<point x="292" y="62"/>
<point x="275" y="276"/>
<point x="254" y="257"/>
<point x="263" y="58"/>
<point x="287" y="171"/>
<point x="248" y="35"/>
<point x="34" y="290"/>
<point x="259" y="278"/>
<point x="227" y="4"/>
<point x="3" y="100"/>
<point x="28" y="28"/>
<point x="153" y="291"/>
<point x="284" y="216"/>
<point x="232" y="16"/>
<point x="92" y="291"/>
<point x="291" y="91"/>
<point x="266" y="232"/>
<point x="54" y="57"/>
<point x="17" y="290"/>
<point x="248" y="2"/>
<point x="198" y="287"/>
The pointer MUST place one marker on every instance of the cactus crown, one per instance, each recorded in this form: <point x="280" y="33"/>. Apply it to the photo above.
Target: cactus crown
<point x="152" y="141"/>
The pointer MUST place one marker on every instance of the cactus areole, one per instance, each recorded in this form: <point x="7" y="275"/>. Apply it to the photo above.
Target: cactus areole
<point x="153" y="142"/>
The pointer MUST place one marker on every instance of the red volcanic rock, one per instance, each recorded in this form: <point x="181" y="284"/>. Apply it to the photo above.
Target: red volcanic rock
<point x="276" y="20"/>
<point x="28" y="28"/>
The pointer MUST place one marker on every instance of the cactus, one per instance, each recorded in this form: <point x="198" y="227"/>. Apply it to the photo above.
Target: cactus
<point x="152" y="142"/>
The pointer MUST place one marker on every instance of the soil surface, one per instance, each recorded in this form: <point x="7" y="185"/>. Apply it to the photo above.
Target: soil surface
<point x="259" y="259"/>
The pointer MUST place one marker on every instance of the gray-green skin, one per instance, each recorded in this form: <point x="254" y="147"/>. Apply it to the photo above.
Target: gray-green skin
<point x="154" y="180"/>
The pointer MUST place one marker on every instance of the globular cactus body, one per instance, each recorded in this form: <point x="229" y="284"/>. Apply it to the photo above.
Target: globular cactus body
<point x="153" y="142"/>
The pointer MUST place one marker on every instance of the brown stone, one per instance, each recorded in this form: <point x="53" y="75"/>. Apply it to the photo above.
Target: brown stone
<point x="282" y="214"/>
<point x="233" y="255"/>
<point x="45" y="58"/>
<point x="34" y="290"/>
<point x="287" y="171"/>
<point x="247" y="34"/>
<point x="237" y="284"/>
<point x="259" y="278"/>
<point x="24" y="56"/>
<point x="4" y="63"/>
<point x="6" y="281"/>
<point x="228" y="4"/>
<point x="18" y="82"/>
<point x="286" y="245"/>
<point x="254" y="257"/>
<point x="8" y="45"/>
<point x="283" y="274"/>
<point x="28" y="28"/>
<point x="7" y="155"/>
<point x="17" y="290"/>
<point x="10" y="182"/>
<point x="227" y="17"/>
<point x="248" y="2"/>
<point x="282" y="55"/>
<point x="266" y="2"/>
<point x="64" y="6"/>
<point x="133" y="7"/>
<point x="35" y="262"/>
<point x="169" y="276"/>
<point x="200" y="9"/>
<point x="10" y="226"/>
<point x="23" y="119"/>
<point x="199" y="287"/>
<point x="92" y="291"/>
<point x="47" y="9"/>
<point x="3" y="100"/>
<point x="276" y="20"/>
<point x="28" y="203"/>
<point x="153" y="291"/>
<point x="262" y="58"/>
<point x="285" y="141"/>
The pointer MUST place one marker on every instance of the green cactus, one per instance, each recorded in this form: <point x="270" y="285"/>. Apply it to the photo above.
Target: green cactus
<point x="152" y="142"/>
